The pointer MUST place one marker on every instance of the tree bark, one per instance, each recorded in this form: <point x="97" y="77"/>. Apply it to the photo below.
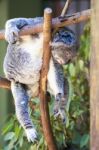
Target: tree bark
<point x="94" y="78"/>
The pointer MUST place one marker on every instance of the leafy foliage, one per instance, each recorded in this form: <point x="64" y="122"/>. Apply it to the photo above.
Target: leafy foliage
<point x="75" y="134"/>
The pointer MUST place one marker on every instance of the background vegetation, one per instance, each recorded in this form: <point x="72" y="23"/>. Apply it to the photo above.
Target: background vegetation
<point x="75" y="134"/>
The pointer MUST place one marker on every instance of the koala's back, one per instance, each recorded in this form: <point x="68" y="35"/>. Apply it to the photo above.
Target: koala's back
<point x="23" y="60"/>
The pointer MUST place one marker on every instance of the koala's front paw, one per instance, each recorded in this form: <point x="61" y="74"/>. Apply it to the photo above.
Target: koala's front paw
<point x="59" y="107"/>
<point x="31" y="134"/>
<point x="61" y="113"/>
<point x="12" y="34"/>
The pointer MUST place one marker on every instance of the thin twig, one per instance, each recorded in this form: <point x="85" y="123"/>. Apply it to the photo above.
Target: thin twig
<point x="43" y="80"/>
<point x="56" y="22"/>
<point x="64" y="11"/>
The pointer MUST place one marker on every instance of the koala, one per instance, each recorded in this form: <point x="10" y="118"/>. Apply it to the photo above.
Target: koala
<point x="22" y="65"/>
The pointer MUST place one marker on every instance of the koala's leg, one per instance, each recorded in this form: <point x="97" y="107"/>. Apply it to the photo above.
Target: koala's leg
<point x="56" y="83"/>
<point x="21" y="106"/>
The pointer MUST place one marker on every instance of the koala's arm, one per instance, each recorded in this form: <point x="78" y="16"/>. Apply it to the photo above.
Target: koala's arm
<point x="13" y="26"/>
<point x="21" y="22"/>
<point x="21" y="107"/>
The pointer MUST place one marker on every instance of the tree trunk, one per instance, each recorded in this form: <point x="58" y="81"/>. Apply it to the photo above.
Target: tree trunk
<point x="94" y="78"/>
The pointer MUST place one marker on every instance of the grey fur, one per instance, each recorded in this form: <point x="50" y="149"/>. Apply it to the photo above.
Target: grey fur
<point x="22" y="65"/>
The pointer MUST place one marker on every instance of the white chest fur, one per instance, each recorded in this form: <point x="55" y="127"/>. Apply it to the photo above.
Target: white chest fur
<point x="33" y="45"/>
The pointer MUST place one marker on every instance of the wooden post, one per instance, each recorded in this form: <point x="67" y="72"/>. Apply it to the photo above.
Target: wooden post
<point x="94" y="78"/>
<point x="43" y="80"/>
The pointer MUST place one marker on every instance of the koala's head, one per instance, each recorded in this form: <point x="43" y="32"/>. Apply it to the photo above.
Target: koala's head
<point x="61" y="53"/>
<point x="64" y="45"/>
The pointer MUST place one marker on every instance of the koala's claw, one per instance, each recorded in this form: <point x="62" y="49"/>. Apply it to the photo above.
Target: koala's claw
<point x="56" y="113"/>
<point x="64" y="120"/>
<point x="61" y="113"/>
<point x="12" y="35"/>
<point x="31" y="134"/>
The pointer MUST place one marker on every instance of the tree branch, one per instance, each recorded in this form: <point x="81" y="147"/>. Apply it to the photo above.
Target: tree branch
<point x="43" y="80"/>
<point x="4" y="83"/>
<point x="56" y="22"/>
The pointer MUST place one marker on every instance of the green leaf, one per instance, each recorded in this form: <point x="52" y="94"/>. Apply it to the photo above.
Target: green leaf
<point x="76" y="138"/>
<point x="72" y="70"/>
<point x="37" y="113"/>
<point x="40" y="142"/>
<point x="17" y="130"/>
<point x="81" y="64"/>
<point x="6" y="147"/>
<point x="84" y="140"/>
<point x="67" y="121"/>
<point x="34" y="147"/>
<point x="36" y="101"/>
<point x="70" y="95"/>
<point x="9" y="136"/>
<point x="7" y="128"/>
<point x="21" y="142"/>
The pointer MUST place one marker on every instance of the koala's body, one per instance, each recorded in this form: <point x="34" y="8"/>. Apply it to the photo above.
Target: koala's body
<point x="23" y="62"/>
